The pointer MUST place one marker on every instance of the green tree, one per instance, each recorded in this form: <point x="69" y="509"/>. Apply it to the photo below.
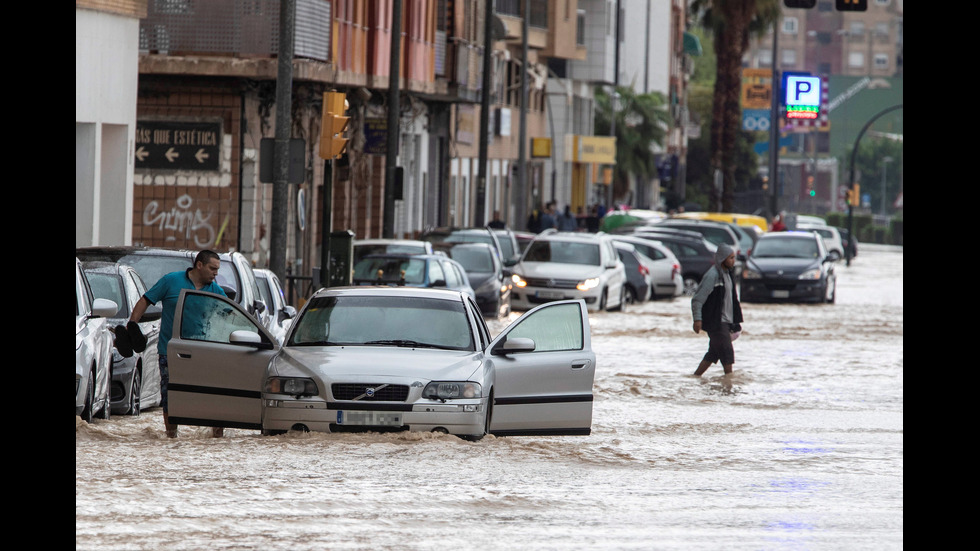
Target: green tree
<point x="732" y="24"/>
<point x="641" y="122"/>
<point x="870" y="166"/>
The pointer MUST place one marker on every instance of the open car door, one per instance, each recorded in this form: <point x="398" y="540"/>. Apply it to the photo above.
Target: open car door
<point x="218" y="357"/>
<point x="545" y="368"/>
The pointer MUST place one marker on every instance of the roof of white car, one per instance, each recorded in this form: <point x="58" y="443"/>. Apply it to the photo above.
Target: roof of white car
<point x="390" y="291"/>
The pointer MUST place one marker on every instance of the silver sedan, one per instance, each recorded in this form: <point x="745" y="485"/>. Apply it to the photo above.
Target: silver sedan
<point x="383" y="359"/>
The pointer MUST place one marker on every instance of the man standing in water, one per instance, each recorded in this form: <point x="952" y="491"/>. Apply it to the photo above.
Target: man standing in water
<point x="716" y="309"/>
<point x="200" y="276"/>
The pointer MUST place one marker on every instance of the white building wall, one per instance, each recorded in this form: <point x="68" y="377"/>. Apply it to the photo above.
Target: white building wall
<point x="106" y="78"/>
<point x="645" y="56"/>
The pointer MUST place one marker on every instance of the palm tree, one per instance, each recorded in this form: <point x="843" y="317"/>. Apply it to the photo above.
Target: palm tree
<point x="733" y="23"/>
<point x="641" y="122"/>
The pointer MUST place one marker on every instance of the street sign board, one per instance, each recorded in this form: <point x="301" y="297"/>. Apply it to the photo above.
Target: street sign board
<point x="178" y="145"/>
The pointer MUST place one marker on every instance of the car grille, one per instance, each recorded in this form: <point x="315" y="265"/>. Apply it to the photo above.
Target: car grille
<point x="359" y="391"/>
<point x="551" y="283"/>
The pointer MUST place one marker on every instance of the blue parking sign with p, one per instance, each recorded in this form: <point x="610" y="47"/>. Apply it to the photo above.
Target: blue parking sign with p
<point x="802" y="90"/>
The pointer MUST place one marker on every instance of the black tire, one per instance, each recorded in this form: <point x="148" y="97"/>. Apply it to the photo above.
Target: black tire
<point x="602" y="301"/>
<point x="486" y="423"/>
<point x="135" y="399"/>
<point x="87" y="413"/>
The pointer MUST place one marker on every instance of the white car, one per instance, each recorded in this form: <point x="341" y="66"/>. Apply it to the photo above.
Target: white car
<point x="570" y="265"/>
<point x="665" y="268"/>
<point x="93" y="350"/>
<point x="383" y="358"/>
<point x="280" y="314"/>
<point x="830" y="235"/>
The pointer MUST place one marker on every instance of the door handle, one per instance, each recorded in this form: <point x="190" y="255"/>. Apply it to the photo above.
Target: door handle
<point x="183" y="356"/>
<point x="580" y="364"/>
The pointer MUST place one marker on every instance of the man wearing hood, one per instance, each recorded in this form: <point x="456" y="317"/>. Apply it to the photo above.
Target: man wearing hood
<point x="716" y="309"/>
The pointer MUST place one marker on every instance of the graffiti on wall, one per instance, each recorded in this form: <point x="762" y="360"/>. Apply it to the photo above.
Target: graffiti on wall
<point x="182" y="218"/>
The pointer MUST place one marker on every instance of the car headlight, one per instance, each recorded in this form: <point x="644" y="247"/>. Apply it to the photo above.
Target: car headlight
<point x="518" y="280"/>
<point x="813" y="274"/>
<point x="296" y="386"/>
<point x="588" y="284"/>
<point x="442" y="390"/>
<point x="748" y="273"/>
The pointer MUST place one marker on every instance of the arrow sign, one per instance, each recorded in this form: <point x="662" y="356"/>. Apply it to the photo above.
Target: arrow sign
<point x="178" y="145"/>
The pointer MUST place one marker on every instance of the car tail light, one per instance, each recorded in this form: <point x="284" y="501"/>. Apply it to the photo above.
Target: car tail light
<point x="643" y="270"/>
<point x="675" y="269"/>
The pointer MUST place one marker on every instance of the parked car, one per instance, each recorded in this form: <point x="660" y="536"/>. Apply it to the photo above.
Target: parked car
<point x="486" y="274"/>
<point x="135" y="382"/>
<point x="715" y="232"/>
<point x="364" y="247"/>
<point x="570" y="265"/>
<point x="638" y="282"/>
<point x="467" y="235"/>
<point x="398" y="359"/>
<point x="789" y="266"/>
<point x="665" y="269"/>
<point x="695" y="253"/>
<point x="93" y="350"/>
<point x="831" y="238"/>
<point x="281" y="314"/>
<point x="235" y="276"/>
<point x="424" y="270"/>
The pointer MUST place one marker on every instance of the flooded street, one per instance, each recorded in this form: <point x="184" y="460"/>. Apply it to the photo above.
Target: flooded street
<point x="800" y="448"/>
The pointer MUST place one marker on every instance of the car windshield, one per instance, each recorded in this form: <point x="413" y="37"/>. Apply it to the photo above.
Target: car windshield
<point x="383" y="321"/>
<point x="388" y="269"/>
<point x="565" y="252"/>
<point x="109" y="286"/>
<point x="473" y="259"/>
<point x="786" y="248"/>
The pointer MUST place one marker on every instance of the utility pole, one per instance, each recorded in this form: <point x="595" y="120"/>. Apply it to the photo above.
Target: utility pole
<point x="284" y="108"/>
<point x="481" y="182"/>
<point x="521" y="193"/>
<point x="774" y="127"/>
<point x="394" y="121"/>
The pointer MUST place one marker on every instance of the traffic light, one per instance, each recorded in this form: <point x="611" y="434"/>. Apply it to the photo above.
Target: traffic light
<point x="334" y="123"/>
<point x="851" y="5"/>
<point x="809" y="187"/>
<point x="854" y="196"/>
<point x="807" y="4"/>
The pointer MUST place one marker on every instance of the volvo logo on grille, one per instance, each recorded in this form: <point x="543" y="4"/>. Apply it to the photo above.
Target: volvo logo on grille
<point x="551" y="283"/>
<point x="369" y="392"/>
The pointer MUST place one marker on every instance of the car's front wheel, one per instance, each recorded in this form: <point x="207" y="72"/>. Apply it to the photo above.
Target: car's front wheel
<point x="486" y="423"/>
<point x="87" y="414"/>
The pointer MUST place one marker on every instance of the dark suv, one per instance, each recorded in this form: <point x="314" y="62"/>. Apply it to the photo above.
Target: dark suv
<point x="235" y="275"/>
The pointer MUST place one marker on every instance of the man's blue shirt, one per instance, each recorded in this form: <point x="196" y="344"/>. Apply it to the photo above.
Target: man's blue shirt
<point x="167" y="290"/>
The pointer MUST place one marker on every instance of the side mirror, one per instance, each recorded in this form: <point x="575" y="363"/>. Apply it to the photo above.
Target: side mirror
<point x="439" y="283"/>
<point x="250" y="338"/>
<point x="229" y="291"/>
<point x="289" y="312"/>
<point x="510" y="346"/>
<point x="104" y="308"/>
<point x="259" y="306"/>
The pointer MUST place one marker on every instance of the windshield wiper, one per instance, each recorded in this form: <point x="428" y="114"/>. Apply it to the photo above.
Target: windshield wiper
<point x="405" y="343"/>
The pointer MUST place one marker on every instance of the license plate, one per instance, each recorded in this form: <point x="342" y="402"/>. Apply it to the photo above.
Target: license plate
<point x="373" y="418"/>
<point x="780" y="294"/>
<point x="549" y="294"/>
